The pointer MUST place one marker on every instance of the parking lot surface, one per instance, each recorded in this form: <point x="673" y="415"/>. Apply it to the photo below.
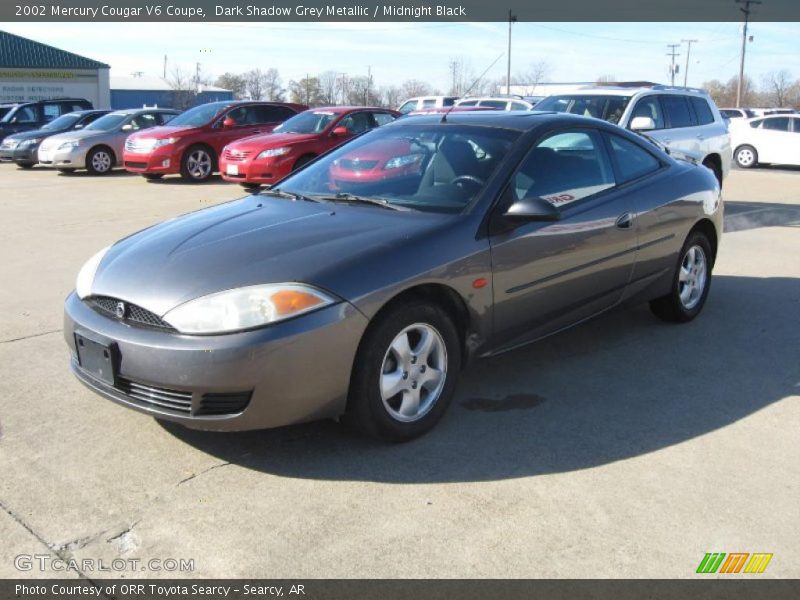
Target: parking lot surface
<point x="623" y="448"/>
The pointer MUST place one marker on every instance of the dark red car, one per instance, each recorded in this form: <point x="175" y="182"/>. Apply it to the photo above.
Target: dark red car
<point x="264" y="159"/>
<point x="192" y="142"/>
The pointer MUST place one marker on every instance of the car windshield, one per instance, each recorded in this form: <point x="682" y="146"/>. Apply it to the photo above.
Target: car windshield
<point x="311" y="121"/>
<point x="434" y="167"/>
<point x="608" y="108"/>
<point x="9" y="114"/>
<point x="63" y="122"/>
<point x="107" y="122"/>
<point x="199" y="115"/>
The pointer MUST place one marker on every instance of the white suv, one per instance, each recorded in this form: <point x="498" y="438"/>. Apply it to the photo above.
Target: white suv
<point x="683" y="119"/>
<point x="426" y="103"/>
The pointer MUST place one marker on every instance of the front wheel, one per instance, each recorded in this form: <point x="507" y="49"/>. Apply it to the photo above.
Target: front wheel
<point x="690" y="284"/>
<point x="746" y="157"/>
<point x="405" y="372"/>
<point x="25" y="165"/>
<point x="197" y="164"/>
<point x="99" y="161"/>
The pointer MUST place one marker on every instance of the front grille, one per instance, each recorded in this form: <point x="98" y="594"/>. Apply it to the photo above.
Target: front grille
<point x="133" y="314"/>
<point x="151" y="396"/>
<point x="357" y="165"/>
<point x="236" y="155"/>
<point x="136" y="165"/>
<point x="223" y="404"/>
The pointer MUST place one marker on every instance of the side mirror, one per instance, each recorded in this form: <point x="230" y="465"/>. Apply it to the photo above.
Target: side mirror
<point x="78" y="126"/>
<point x="643" y="124"/>
<point x="532" y="208"/>
<point x="340" y="131"/>
<point x="127" y="127"/>
<point x="227" y="123"/>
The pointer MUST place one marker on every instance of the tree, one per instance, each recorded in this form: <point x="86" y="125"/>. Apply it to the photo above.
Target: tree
<point x="306" y="91"/>
<point x="536" y="73"/>
<point x="361" y="91"/>
<point x="391" y="96"/>
<point x="273" y="88"/>
<point x="235" y="83"/>
<point x="329" y="86"/>
<point x="255" y="84"/>
<point x="184" y="88"/>
<point x="777" y="87"/>
<point x="461" y="76"/>
<point x="415" y="87"/>
<point x="605" y="79"/>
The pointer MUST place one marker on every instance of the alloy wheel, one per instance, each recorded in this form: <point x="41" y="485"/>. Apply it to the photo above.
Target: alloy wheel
<point x="101" y="161"/>
<point x="745" y="157"/>
<point x="413" y="373"/>
<point x="199" y="164"/>
<point x="692" y="277"/>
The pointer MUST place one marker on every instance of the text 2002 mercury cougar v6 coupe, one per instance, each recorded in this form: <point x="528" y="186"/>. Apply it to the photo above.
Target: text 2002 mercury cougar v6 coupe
<point x="315" y="300"/>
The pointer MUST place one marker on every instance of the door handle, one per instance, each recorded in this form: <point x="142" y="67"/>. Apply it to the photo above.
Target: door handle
<point x="667" y="141"/>
<point x="701" y="137"/>
<point x="625" y="221"/>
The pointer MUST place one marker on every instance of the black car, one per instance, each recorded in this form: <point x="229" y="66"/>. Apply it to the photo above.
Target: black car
<point x="22" y="147"/>
<point x="33" y="115"/>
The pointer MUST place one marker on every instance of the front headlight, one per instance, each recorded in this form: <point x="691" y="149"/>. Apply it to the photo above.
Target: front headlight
<point x="31" y="142"/>
<point x="69" y="145"/>
<point x="403" y="161"/>
<point x="246" y="308"/>
<point x="273" y="152"/>
<point x="83" y="285"/>
<point x="164" y="142"/>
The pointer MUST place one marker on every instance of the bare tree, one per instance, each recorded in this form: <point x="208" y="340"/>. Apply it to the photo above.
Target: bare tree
<point x="255" y="84"/>
<point x="306" y="91"/>
<point x="235" y="83"/>
<point x="329" y="86"/>
<point x="606" y="79"/>
<point x="461" y="75"/>
<point x="184" y="88"/>
<point x="273" y="87"/>
<point x="391" y="96"/>
<point x="536" y="73"/>
<point x="777" y="87"/>
<point x="415" y="87"/>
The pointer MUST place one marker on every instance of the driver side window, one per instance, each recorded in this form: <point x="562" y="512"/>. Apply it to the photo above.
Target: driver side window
<point x="649" y="106"/>
<point x="563" y="168"/>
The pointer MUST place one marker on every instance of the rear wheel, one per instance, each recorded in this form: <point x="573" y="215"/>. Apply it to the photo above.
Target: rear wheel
<point x="99" y="161"/>
<point x="404" y="376"/>
<point x="690" y="284"/>
<point x="198" y="164"/>
<point x="746" y="157"/>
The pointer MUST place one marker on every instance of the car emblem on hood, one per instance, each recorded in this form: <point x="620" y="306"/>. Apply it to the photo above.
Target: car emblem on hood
<point x="120" y="310"/>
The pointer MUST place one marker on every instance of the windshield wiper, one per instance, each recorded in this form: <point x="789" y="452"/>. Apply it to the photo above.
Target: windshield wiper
<point x="286" y="194"/>
<point x="347" y="197"/>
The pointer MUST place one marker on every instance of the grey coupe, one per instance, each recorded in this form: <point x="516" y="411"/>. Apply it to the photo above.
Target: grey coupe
<point x="360" y="285"/>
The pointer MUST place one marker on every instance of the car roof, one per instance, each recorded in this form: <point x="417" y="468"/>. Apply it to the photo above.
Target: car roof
<point x="342" y="109"/>
<point x="520" y="120"/>
<point x="611" y="90"/>
<point x="133" y="111"/>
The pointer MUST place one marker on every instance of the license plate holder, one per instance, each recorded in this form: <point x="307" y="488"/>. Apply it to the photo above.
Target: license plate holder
<point x="96" y="358"/>
<point x="232" y="169"/>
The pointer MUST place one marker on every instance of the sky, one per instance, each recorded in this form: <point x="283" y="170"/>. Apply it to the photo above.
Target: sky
<point x="396" y="52"/>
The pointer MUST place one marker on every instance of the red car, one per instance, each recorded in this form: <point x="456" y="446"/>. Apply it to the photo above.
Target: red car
<point x="264" y="159"/>
<point x="192" y="142"/>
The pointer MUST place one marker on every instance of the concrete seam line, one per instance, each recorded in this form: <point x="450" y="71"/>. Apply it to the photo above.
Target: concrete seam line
<point x="33" y="335"/>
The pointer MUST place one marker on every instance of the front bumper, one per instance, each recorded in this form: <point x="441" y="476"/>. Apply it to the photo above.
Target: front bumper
<point x="26" y="155"/>
<point x="294" y="371"/>
<point x="74" y="158"/>
<point x="162" y="161"/>
<point x="265" y="171"/>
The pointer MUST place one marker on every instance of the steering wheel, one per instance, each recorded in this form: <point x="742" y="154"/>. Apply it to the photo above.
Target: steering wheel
<point x="467" y="179"/>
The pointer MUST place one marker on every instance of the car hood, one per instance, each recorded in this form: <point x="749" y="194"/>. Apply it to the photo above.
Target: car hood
<point x="254" y="240"/>
<point x="82" y="135"/>
<point x="165" y="131"/>
<point x="34" y="133"/>
<point x="264" y="141"/>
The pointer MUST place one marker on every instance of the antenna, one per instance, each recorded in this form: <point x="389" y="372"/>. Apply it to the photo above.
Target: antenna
<point x="469" y="89"/>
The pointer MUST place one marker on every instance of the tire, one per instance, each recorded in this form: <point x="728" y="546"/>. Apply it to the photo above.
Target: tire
<point x="198" y="163"/>
<point x="714" y="168"/>
<point x="302" y="162"/>
<point x="25" y="165"/>
<point x="381" y="362"/>
<point x="152" y="176"/>
<point x="100" y="161"/>
<point x="746" y="157"/>
<point x="690" y="284"/>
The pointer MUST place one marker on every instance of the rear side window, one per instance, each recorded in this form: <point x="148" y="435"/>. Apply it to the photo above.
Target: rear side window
<point x="382" y="118"/>
<point x="357" y="122"/>
<point x="677" y="110"/>
<point x="468" y="103"/>
<point x="51" y="111"/>
<point x="564" y="168"/>
<point x="269" y="114"/>
<point x="144" y="121"/>
<point x="518" y="106"/>
<point x="779" y="124"/>
<point x="632" y="161"/>
<point x="448" y="101"/>
<point x="407" y="107"/>
<point x="429" y="103"/>
<point x="649" y="107"/>
<point x="702" y="110"/>
<point x="501" y="104"/>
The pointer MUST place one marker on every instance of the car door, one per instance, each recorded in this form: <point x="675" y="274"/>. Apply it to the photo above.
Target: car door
<point x="774" y="140"/>
<point x="794" y="149"/>
<point x="548" y="275"/>
<point x="680" y="131"/>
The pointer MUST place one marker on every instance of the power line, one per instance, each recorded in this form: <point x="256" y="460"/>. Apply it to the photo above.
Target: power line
<point x="746" y="11"/>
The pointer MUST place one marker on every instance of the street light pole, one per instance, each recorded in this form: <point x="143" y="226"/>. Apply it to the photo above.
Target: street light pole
<point x="746" y="11"/>
<point x="511" y="19"/>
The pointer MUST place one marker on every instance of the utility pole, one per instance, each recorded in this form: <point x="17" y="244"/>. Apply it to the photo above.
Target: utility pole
<point x="688" y="51"/>
<point x="511" y="20"/>
<point x="672" y="67"/>
<point x="746" y="11"/>
<point x="165" y="66"/>
<point x="344" y="87"/>
<point x="369" y="84"/>
<point x="308" y="93"/>
<point x="453" y="67"/>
